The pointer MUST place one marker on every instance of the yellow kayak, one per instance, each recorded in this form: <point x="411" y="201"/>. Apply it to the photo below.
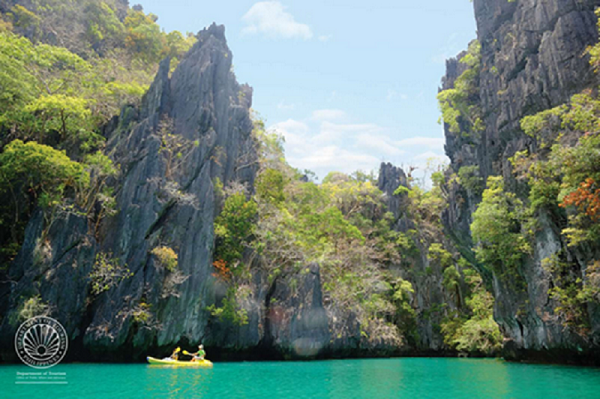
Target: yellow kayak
<point x="161" y="362"/>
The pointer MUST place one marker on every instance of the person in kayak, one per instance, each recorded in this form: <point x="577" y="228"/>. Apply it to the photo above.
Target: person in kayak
<point x="198" y="356"/>
<point x="174" y="355"/>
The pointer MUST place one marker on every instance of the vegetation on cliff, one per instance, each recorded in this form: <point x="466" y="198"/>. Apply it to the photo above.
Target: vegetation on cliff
<point x="557" y="181"/>
<point x="459" y="105"/>
<point x="55" y="104"/>
<point x="367" y="266"/>
<point x="56" y="99"/>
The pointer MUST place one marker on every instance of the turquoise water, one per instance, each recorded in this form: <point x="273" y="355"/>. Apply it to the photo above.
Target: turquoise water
<point x="371" y="378"/>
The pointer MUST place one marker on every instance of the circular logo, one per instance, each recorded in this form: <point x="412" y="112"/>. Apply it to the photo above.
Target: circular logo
<point x="41" y="342"/>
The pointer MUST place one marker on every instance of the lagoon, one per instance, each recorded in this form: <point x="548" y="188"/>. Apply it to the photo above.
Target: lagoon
<point x="365" y="378"/>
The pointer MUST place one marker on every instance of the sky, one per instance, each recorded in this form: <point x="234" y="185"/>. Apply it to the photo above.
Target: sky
<point x="348" y="83"/>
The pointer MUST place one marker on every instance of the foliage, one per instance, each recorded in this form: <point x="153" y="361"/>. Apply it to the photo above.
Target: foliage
<point x="270" y="146"/>
<point x="548" y="120"/>
<point x="572" y="292"/>
<point x="107" y="273"/>
<point x="439" y="253"/>
<point x="141" y="314"/>
<point x="479" y="336"/>
<point x="166" y="256"/>
<point x="229" y="309"/>
<point x="477" y="332"/>
<point x="344" y="225"/>
<point x="69" y="116"/>
<point x="39" y="170"/>
<point x="402" y="190"/>
<point x="270" y="185"/>
<point x="470" y="178"/>
<point x="222" y="271"/>
<point x="586" y="198"/>
<point x="233" y="228"/>
<point x="103" y="25"/>
<point x="73" y="90"/>
<point x="31" y="175"/>
<point x="594" y="51"/>
<point x="562" y="178"/>
<point x="32" y="307"/>
<point x="460" y="105"/>
<point x="451" y="279"/>
<point x="30" y="71"/>
<point x="566" y="177"/>
<point x="496" y="228"/>
<point x="59" y="98"/>
<point x="405" y="313"/>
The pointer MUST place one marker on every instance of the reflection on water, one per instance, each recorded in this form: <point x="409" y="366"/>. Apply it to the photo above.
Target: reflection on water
<point x="369" y="378"/>
<point x="483" y="378"/>
<point x="176" y="381"/>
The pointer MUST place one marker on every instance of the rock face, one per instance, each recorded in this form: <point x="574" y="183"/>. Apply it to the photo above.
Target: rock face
<point x="532" y="59"/>
<point x="162" y="201"/>
<point x="431" y="300"/>
<point x="192" y="131"/>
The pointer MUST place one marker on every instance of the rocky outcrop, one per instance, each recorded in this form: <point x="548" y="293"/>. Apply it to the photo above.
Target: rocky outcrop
<point x="161" y="201"/>
<point x="431" y="300"/>
<point x="296" y="322"/>
<point x="532" y="58"/>
<point x="117" y="299"/>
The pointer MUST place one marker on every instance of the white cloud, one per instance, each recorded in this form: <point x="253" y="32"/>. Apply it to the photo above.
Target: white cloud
<point x="382" y="144"/>
<point x="285" y="107"/>
<point x="328" y="114"/>
<point x="291" y="126"/>
<point x="393" y="94"/>
<point x="333" y="158"/>
<point x="325" y="38"/>
<point x="434" y="143"/>
<point x="322" y="144"/>
<point x="271" y="19"/>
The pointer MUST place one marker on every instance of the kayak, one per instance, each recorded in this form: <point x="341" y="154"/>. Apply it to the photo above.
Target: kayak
<point x="201" y="363"/>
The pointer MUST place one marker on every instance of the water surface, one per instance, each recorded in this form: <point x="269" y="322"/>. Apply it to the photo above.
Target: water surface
<point x="370" y="378"/>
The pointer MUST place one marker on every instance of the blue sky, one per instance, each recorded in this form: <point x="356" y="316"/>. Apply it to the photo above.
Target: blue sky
<point x="348" y="83"/>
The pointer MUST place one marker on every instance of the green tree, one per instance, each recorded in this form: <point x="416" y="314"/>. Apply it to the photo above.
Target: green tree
<point x="33" y="174"/>
<point x="144" y="37"/>
<point x="69" y="116"/>
<point x="233" y="228"/>
<point x="460" y="104"/>
<point x="496" y="228"/>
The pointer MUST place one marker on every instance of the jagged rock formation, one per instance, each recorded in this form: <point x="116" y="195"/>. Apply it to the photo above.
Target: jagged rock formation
<point x="166" y="199"/>
<point x="432" y="300"/>
<point x="192" y="132"/>
<point x="532" y="59"/>
<point x="160" y="202"/>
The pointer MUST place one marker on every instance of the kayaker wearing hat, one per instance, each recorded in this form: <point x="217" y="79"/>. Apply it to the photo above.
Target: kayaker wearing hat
<point x="198" y="355"/>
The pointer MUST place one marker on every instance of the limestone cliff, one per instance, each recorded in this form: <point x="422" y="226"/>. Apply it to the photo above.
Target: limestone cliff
<point x="532" y="58"/>
<point x="104" y="279"/>
<point x="161" y="201"/>
<point x="434" y="303"/>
